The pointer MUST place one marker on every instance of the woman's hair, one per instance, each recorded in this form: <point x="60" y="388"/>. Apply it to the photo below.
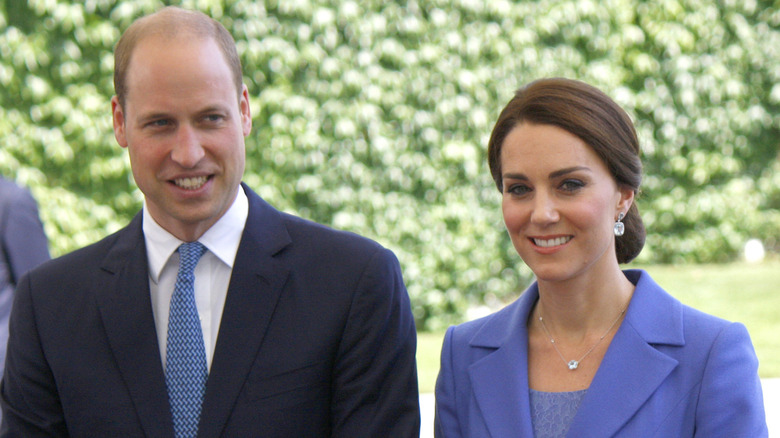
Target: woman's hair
<point x="591" y="115"/>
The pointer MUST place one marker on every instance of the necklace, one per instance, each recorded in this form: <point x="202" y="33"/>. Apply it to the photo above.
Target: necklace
<point x="573" y="364"/>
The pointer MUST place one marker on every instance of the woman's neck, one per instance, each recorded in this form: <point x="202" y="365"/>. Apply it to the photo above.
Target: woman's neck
<point x="575" y="308"/>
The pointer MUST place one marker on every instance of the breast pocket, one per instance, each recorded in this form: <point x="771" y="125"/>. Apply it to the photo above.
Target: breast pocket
<point x="298" y="385"/>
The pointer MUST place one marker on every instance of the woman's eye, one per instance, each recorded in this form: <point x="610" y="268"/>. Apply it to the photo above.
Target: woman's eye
<point x="518" y="189"/>
<point x="572" y="185"/>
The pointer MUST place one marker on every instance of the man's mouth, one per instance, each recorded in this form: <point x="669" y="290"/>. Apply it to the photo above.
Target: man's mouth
<point x="193" y="183"/>
<point x="546" y="243"/>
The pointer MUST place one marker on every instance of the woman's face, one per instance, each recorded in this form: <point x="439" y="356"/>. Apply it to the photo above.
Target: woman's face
<point x="560" y="202"/>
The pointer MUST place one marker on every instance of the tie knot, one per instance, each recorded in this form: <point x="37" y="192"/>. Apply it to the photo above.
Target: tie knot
<point x="189" y="254"/>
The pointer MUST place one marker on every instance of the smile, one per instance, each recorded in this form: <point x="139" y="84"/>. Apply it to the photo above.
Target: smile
<point x="191" y="183"/>
<point x="551" y="242"/>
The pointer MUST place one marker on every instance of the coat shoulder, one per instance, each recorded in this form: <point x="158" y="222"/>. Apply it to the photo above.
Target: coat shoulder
<point x="84" y="260"/>
<point x="323" y="239"/>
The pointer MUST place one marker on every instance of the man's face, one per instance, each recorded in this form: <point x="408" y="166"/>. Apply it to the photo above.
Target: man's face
<point x="184" y="124"/>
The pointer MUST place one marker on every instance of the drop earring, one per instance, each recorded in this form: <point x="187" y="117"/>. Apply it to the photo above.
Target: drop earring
<point x="620" y="228"/>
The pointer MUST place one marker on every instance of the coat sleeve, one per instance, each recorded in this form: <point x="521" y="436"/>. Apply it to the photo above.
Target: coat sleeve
<point x="24" y="240"/>
<point x="375" y="376"/>
<point x="24" y="246"/>
<point x="446" y="419"/>
<point x="28" y="393"/>
<point x="731" y="403"/>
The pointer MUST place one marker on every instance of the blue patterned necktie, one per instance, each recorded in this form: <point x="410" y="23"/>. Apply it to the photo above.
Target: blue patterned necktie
<point x="185" y="364"/>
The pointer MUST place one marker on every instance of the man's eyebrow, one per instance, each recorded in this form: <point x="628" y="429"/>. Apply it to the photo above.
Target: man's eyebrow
<point x="143" y="118"/>
<point x="212" y="109"/>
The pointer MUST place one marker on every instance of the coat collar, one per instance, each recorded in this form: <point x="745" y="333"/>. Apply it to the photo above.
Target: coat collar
<point x="653" y="317"/>
<point x="122" y="290"/>
<point x="255" y="286"/>
<point x="503" y="400"/>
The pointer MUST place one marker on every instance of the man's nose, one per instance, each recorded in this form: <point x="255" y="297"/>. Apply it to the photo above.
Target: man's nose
<point x="187" y="150"/>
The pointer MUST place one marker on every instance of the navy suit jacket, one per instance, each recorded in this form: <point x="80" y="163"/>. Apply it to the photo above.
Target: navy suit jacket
<point x="670" y="371"/>
<point x="317" y="339"/>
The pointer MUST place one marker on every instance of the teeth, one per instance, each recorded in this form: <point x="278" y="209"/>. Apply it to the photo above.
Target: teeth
<point x="191" y="183"/>
<point x="552" y="242"/>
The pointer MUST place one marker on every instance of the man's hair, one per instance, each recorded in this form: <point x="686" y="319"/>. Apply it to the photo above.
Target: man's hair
<point x="173" y="22"/>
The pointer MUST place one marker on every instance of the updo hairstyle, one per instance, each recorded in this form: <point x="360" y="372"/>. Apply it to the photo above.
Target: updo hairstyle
<point x="591" y="115"/>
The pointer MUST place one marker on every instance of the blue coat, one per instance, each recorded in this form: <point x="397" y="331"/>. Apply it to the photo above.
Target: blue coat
<point x="317" y="339"/>
<point x="670" y="371"/>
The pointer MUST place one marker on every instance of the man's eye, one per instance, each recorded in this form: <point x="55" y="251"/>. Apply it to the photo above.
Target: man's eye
<point x="159" y="123"/>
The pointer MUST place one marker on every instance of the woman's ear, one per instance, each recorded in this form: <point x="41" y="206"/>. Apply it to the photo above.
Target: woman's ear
<point x="626" y="199"/>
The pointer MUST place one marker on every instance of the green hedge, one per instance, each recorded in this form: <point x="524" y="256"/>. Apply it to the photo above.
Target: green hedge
<point x="373" y="116"/>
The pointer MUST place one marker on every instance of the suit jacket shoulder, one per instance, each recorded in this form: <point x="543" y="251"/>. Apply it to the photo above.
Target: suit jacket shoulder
<point x="109" y="254"/>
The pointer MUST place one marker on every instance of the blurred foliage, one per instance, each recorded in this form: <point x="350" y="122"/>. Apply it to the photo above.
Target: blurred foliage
<point x="373" y="116"/>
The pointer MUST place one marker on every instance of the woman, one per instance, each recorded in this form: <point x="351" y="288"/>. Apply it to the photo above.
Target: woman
<point x="588" y="350"/>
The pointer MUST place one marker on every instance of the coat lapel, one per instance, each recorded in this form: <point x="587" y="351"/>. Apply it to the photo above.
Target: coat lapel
<point x="255" y="286"/>
<point x="123" y="290"/>
<point x="633" y="369"/>
<point x="500" y="379"/>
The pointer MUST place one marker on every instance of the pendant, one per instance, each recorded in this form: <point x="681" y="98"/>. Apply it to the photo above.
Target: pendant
<point x="573" y="364"/>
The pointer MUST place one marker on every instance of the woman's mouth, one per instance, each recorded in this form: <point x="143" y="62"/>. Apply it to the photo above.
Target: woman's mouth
<point x="547" y="243"/>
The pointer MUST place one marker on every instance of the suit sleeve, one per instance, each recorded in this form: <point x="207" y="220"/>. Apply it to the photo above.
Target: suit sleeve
<point x="24" y="240"/>
<point x="446" y="420"/>
<point x="24" y="245"/>
<point x="375" y="376"/>
<point x="28" y="393"/>
<point x="731" y="403"/>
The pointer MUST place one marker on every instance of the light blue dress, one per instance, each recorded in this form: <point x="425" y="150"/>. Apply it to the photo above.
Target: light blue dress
<point x="553" y="412"/>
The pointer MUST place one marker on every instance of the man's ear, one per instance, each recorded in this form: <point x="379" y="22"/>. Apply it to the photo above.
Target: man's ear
<point x="246" y="113"/>
<point x="118" y="117"/>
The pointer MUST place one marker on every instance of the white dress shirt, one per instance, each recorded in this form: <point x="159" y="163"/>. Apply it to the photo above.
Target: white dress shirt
<point x="212" y="274"/>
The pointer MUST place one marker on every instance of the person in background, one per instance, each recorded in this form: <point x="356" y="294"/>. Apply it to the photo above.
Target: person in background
<point x="212" y="313"/>
<point x="588" y="350"/>
<point x="23" y="246"/>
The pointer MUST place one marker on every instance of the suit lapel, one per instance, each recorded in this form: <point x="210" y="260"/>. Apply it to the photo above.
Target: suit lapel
<point x="500" y="379"/>
<point x="633" y="369"/>
<point x="125" y="306"/>
<point x="255" y="286"/>
<point x="627" y="377"/>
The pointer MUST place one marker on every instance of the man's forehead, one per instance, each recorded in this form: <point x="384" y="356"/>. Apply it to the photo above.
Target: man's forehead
<point x="177" y="71"/>
<point x="167" y="41"/>
<point x="166" y="50"/>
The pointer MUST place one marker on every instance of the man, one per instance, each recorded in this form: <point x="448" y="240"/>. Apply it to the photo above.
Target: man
<point x="303" y="331"/>
<point x="23" y="246"/>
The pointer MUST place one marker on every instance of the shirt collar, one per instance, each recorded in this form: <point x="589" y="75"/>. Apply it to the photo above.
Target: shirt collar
<point x="222" y="239"/>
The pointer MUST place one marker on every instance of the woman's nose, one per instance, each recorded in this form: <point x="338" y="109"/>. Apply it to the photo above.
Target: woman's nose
<point x="545" y="209"/>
